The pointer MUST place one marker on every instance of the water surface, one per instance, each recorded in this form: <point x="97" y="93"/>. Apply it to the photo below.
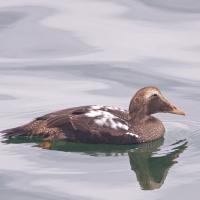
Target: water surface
<point x="58" y="54"/>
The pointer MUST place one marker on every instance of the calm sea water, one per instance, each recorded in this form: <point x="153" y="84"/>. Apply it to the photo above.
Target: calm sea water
<point x="58" y="54"/>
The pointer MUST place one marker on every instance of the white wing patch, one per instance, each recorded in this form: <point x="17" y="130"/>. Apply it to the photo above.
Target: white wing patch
<point x="132" y="134"/>
<point x="98" y="107"/>
<point x="106" y="119"/>
<point x="114" y="108"/>
<point x="96" y="113"/>
<point x="111" y="123"/>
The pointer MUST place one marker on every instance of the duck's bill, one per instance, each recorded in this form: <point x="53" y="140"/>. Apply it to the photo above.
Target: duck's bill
<point x="177" y="111"/>
<point x="170" y="108"/>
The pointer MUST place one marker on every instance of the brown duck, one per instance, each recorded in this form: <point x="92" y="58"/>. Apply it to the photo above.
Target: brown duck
<point x="104" y="124"/>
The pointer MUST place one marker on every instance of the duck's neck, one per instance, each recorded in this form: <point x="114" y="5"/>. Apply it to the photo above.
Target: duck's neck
<point x="138" y="111"/>
<point x="135" y="119"/>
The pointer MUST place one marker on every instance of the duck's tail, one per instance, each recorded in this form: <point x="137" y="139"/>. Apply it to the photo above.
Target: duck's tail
<point x="18" y="131"/>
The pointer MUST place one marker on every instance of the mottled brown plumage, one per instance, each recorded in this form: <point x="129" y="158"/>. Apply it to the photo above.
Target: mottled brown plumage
<point x="104" y="124"/>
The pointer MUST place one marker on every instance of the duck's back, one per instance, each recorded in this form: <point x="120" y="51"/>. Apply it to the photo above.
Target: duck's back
<point x="88" y="124"/>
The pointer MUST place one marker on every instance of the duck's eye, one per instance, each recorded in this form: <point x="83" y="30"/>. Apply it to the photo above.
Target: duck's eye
<point x="154" y="95"/>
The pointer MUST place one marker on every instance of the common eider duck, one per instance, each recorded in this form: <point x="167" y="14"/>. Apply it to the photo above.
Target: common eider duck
<point x="104" y="124"/>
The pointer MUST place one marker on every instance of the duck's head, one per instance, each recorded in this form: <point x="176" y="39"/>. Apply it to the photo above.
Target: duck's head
<point x="149" y="100"/>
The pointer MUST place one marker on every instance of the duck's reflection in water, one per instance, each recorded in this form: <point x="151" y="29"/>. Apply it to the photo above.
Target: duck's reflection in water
<point x="150" y="161"/>
<point x="151" y="164"/>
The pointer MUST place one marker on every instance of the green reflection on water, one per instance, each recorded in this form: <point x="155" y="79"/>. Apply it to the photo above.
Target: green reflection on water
<point x="147" y="160"/>
<point x="150" y="166"/>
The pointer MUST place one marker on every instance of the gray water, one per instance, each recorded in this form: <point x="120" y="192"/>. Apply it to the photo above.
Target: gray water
<point x="58" y="54"/>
